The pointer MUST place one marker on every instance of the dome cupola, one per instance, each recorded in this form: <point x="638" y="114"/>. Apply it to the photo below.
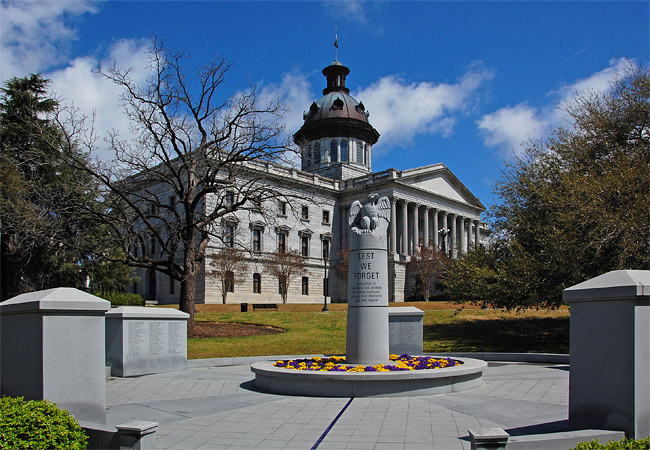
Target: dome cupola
<point x="336" y="137"/>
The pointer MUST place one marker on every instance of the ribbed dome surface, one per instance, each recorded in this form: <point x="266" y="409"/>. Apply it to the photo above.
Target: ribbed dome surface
<point x="336" y="105"/>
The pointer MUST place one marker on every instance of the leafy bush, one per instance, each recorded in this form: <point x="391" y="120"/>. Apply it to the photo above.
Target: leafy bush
<point x="624" y="444"/>
<point x="38" y="424"/>
<point x="122" y="298"/>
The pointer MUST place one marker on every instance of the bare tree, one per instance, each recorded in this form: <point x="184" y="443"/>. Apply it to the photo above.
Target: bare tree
<point x="285" y="266"/>
<point x="343" y="265"/>
<point x="427" y="264"/>
<point x="228" y="267"/>
<point x="197" y="160"/>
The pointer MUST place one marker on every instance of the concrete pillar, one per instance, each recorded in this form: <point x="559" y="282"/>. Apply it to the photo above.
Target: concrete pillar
<point x="609" y="382"/>
<point x="405" y="232"/>
<point x="52" y="348"/>
<point x="477" y="223"/>
<point x="425" y="224"/>
<point x="393" y="224"/>
<point x="436" y="241"/>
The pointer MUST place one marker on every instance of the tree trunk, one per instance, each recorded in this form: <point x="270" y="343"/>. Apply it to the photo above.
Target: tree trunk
<point x="188" y="288"/>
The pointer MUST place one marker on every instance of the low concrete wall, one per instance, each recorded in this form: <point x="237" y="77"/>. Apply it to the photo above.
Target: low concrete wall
<point x="498" y="438"/>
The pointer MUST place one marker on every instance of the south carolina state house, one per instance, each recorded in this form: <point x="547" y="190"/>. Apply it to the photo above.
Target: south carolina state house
<point x="429" y="206"/>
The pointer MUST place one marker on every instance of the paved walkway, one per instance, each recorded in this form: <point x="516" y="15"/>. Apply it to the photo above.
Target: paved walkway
<point x="218" y="407"/>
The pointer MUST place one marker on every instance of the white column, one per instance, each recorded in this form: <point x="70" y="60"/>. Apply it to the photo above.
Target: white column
<point x="436" y="242"/>
<point x="416" y="231"/>
<point x="393" y="224"/>
<point x="426" y="226"/>
<point x="405" y="232"/>
<point x="445" y="227"/>
<point x="463" y="235"/>
<point x="454" y="234"/>
<point x="476" y="232"/>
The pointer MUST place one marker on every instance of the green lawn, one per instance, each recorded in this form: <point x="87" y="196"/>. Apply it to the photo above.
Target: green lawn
<point x="446" y="329"/>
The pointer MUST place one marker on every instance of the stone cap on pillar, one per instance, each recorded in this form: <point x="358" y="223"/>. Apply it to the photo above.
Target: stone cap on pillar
<point x="56" y="299"/>
<point x="405" y="311"/>
<point x="142" y="312"/>
<point x="614" y="285"/>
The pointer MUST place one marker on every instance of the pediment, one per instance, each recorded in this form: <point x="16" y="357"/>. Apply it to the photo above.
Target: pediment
<point x="440" y="181"/>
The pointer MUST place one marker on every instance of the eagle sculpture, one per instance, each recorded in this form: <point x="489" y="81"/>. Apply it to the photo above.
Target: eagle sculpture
<point x="366" y="218"/>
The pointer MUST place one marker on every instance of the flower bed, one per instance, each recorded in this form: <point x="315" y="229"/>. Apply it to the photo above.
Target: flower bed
<point x="337" y="364"/>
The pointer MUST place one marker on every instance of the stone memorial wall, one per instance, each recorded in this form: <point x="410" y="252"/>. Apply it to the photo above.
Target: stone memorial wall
<point x="142" y="340"/>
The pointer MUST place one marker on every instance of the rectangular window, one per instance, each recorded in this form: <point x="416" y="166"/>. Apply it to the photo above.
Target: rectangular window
<point x="326" y="217"/>
<point x="326" y="249"/>
<point x="229" y="198"/>
<point x="229" y="235"/>
<point x="257" y="283"/>
<point x="135" y="287"/>
<point x="230" y="282"/>
<point x="152" y="245"/>
<point x="280" y="286"/>
<point x="282" y="209"/>
<point x="257" y="240"/>
<point x="282" y="242"/>
<point x="305" y="285"/>
<point x="305" y="213"/>
<point x="304" y="242"/>
<point x="172" y="286"/>
<point x="326" y="287"/>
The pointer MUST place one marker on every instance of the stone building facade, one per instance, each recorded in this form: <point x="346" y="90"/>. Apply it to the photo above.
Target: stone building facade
<point x="429" y="206"/>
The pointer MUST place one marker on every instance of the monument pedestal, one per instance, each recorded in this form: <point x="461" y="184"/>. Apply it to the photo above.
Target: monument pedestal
<point x="52" y="348"/>
<point x="609" y="386"/>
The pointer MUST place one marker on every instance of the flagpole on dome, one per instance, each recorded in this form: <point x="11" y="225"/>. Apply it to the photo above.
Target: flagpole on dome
<point x="336" y="43"/>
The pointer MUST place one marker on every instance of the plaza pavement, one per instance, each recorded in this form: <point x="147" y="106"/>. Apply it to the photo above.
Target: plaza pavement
<point x="214" y="405"/>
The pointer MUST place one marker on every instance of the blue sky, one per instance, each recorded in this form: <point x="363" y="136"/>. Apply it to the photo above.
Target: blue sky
<point x="462" y="83"/>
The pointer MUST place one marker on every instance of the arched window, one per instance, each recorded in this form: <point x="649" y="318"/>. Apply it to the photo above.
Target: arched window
<point x="308" y="156"/>
<point x="333" y="151"/>
<point x="360" y="148"/>
<point x="344" y="150"/>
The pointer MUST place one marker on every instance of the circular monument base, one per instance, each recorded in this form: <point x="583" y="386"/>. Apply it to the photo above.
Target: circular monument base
<point x="277" y="380"/>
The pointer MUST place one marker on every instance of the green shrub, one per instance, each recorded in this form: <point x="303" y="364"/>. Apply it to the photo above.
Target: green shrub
<point x="122" y="298"/>
<point x="38" y="424"/>
<point x="624" y="444"/>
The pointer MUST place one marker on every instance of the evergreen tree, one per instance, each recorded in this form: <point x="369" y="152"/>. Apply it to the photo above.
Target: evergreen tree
<point x="44" y="237"/>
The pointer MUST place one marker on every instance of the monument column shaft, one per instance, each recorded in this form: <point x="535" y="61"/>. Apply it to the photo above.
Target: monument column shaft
<point x="405" y="233"/>
<point x="367" y="340"/>
<point x="435" y="229"/>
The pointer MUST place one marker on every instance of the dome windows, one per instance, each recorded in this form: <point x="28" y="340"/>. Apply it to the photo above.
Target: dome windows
<point x="344" y="150"/>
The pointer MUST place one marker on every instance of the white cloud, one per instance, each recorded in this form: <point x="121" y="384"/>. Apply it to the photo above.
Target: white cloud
<point x="510" y="127"/>
<point x="79" y="84"/>
<point x="400" y="110"/>
<point x="295" y="92"/>
<point x="35" y="35"/>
